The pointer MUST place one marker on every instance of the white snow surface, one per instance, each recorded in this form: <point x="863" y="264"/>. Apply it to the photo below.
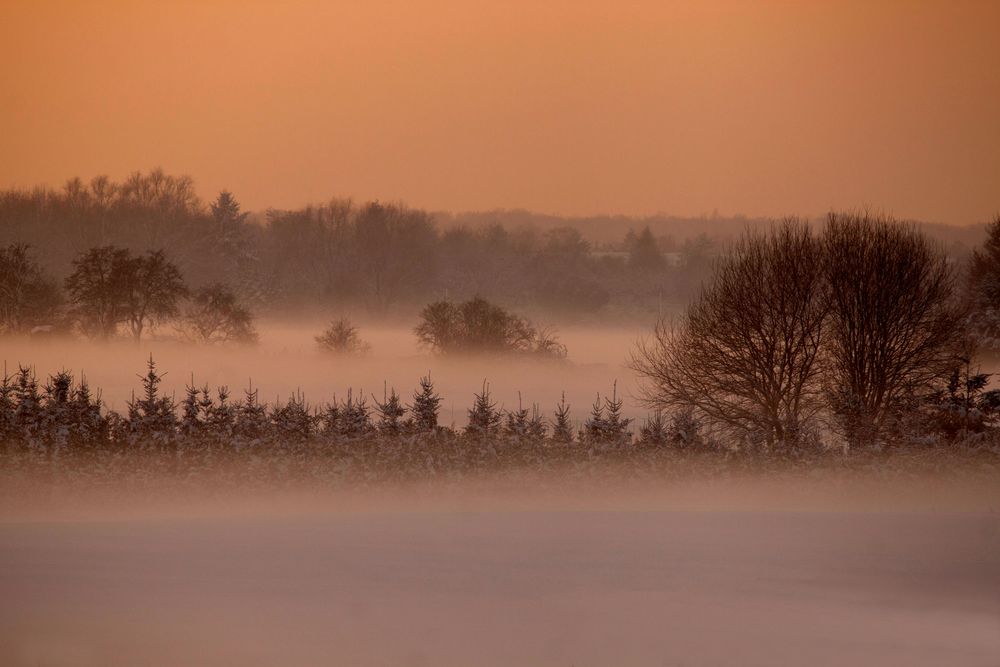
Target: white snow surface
<point x="613" y="583"/>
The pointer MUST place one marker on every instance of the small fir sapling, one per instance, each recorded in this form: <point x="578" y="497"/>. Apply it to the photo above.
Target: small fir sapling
<point x="654" y="431"/>
<point x="562" y="429"/>
<point x="484" y="417"/>
<point x="426" y="405"/>
<point x="390" y="413"/>
<point x="516" y="426"/>
<point x="251" y="416"/>
<point x="355" y="418"/>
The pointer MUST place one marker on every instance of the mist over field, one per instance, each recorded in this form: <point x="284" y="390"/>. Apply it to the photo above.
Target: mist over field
<point x="287" y="361"/>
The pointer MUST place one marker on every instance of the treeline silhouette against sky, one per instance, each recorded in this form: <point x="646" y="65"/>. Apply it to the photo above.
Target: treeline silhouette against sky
<point x="579" y="108"/>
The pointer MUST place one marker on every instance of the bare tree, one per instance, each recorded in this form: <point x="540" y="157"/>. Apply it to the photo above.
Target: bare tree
<point x="110" y="287"/>
<point x="155" y="287"/>
<point x="396" y="248"/>
<point x="214" y="315"/>
<point x="746" y="353"/>
<point x="97" y="289"/>
<point x="27" y="296"/>
<point x="894" y="319"/>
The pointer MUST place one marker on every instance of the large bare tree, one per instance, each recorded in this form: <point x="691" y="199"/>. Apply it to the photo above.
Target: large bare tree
<point x="746" y="353"/>
<point x="894" y="319"/>
<point x="111" y="287"/>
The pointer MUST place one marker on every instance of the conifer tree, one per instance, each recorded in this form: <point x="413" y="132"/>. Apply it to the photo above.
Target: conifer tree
<point x="90" y="426"/>
<point x="517" y="421"/>
<point x="562" y="430"/>
<point x="654" y="430"/>
<point x="330" y="420"/>
<point x="595" y="428"/>
<point x="7" y="409"/>
<point x="251" y="417"/>
<point x="425" y="406"/>
<point x="536" y="425"/>
<point x="28" y="414"/>
<point x="220" y="415"/>
<point x="390" y="413"/>
<point x="292" y="421"/>
<point x="190" y="424"/>
<point x="152" y="418"/>
<point x="616" y="426"/>
<point x="355" y="420"/>
<point x="57" y="418"/>
<point x="484" y="418"/>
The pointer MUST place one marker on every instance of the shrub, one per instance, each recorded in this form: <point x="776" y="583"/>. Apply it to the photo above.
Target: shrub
<point x="341" y="337"/>
<point x="215" y="316"/>
<point x="480" y="326"/>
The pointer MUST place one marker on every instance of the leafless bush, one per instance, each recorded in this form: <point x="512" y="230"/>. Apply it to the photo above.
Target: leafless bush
<point x="342" y="337"/>
<point x="215" y="316"/>
<point x="480" y="326"/>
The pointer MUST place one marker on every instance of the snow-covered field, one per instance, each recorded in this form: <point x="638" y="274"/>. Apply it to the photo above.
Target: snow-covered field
<point x="572" y="579"/>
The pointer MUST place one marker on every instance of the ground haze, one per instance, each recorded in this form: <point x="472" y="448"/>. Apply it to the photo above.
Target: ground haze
<point x="778" y="569"/>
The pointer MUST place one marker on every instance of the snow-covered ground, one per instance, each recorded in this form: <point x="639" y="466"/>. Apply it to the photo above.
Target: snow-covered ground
<point x="613" y="582"/>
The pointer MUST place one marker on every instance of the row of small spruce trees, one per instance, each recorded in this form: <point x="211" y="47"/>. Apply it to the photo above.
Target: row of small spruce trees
<point x="64" y="413"/>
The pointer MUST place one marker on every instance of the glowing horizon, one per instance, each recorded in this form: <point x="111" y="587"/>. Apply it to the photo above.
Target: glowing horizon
<point x="576" y="108"/>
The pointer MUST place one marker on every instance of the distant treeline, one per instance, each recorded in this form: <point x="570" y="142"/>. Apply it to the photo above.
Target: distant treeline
<point x="377" y="257"/>
<point x="671" y="231"/>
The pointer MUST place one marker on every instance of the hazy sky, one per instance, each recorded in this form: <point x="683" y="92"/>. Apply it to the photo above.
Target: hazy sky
<point x="765" y="108"/>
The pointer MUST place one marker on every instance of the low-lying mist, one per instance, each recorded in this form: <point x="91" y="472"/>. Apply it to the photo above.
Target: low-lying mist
<point x="803" y="569"/>
<point x="287" y="360"/>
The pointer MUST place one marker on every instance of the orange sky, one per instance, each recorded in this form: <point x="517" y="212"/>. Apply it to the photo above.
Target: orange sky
<point x="765" y="108"/>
